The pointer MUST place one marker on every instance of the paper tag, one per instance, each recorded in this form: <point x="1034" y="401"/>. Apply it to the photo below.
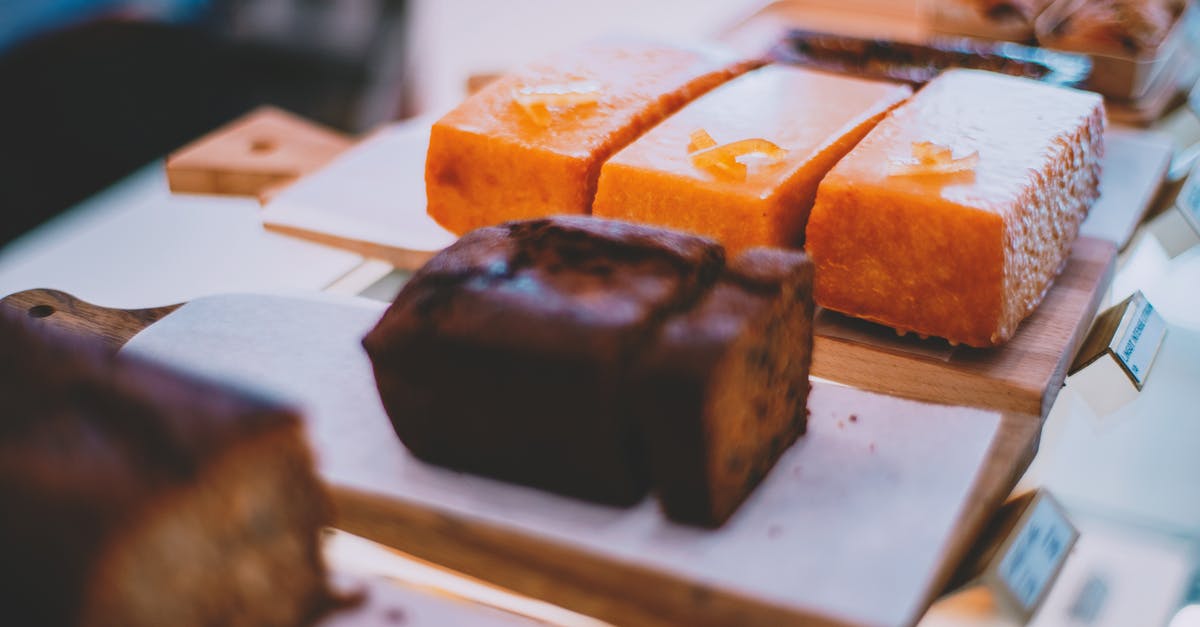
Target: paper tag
<point x="1019" y="554"/>
<point x="1035" y="554"/>
<point x="1115" y="359"/>
<point x="1138" y="337"/>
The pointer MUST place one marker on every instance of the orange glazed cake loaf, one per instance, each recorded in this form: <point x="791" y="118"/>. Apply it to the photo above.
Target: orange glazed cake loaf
<point x="742" y="163"/>
<point x="955" y="214"/>
<point x="531" y="144"/>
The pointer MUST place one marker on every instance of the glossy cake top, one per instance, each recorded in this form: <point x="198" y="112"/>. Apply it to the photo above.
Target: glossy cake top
<point x="801" y="111"/>
<point x="575" y="102"/>
<point x="1016" y="126"/>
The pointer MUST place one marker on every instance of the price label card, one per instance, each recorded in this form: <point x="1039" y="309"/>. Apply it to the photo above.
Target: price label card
<point x="1115" y="359"/>
<point x="1138" y="337"/>
<point x="1032" y="555"/>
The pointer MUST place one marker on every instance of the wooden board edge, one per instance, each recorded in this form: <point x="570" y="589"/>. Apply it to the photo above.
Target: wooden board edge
<point x="224" y="182"/>
<point x="114" y="327"/>
<point x="400" y="258"/>
<point x="1017" y="440"/>
<point x="1058" y="376"/>
<point x="972" y="383"/>
<point x="603" y="587"/>
<point x="869" y="368"/>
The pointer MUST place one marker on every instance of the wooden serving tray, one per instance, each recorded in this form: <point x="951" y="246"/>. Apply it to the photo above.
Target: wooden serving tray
<point x="862" y="522"/>
<point x="371" y="200"/>
<point x="1024" y="375"/>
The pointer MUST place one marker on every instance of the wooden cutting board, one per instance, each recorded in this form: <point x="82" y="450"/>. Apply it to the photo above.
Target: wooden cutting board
<point x="1025" y="375"/>
<point x="382" y="602"/>
<point x="861" y="522"/>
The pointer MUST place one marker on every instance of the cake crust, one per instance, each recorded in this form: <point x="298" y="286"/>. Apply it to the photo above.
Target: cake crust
<point x="722" y="391"/>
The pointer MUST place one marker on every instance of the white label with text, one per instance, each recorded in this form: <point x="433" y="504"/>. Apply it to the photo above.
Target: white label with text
<point x="1139" y="337"/>
<point x="1034" y="556"/>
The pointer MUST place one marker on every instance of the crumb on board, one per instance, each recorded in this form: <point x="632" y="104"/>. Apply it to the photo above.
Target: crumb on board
<point x="853" y="417"/>
<point x="774" y="531"/>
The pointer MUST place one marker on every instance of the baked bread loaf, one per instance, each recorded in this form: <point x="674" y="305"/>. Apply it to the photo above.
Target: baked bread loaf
<point x="506" y="354"/>
<point x="529" y="352"/>
<point x="135" y="496"/>
<point x="722" y="391"/>
<point x="663" y="178"/>
<point x="531" y="144"/>
<point x="959" y="209"/>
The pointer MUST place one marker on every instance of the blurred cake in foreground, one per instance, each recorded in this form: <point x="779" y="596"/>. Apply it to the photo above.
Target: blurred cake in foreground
<point x="531" y="144"/>
<point x="1118" y="27"/>
<point x="135" y="496"/>
<point x="781" y="129"/>
<point x="1012" y="20"/>
<point x="956" y="213"/>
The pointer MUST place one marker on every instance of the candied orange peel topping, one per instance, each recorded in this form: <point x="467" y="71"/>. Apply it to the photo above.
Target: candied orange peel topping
<point x="723" y="159"/>
<point x="933" y="158"/>
<point x="699" y="140"/>
<point x="541" y="102"/>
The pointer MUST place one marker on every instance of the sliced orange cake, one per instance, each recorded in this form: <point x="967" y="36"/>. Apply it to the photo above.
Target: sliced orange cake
<point x="742" y="163"/>
<point x="956" y="213"/>
<point x="532" y="143"/>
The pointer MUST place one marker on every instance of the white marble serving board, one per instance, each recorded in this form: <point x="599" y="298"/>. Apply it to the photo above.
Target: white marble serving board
<point x="850" y="524"/>
<point x="371" y="199"/>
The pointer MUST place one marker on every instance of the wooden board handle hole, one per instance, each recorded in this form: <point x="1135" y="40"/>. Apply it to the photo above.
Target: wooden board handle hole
<point x="41" y="311"/>
<point x="262" y="146"/>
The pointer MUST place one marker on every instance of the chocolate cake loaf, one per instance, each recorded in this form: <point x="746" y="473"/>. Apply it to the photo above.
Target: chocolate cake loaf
<point x="505" y="355"/>
<point x="533" y="351"/>
<point x="723" y="390"/>
<point x="135" y="496"/>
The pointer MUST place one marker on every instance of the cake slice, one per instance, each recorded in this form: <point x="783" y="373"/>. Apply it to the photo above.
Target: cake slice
<point x="796" y="122"/>
<point x="135" y="496"/>
<point x="723" y="389"/>
<point x="506" y="355"/>
<point x="955" y="214"/>
<point x="531" y="144"/>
